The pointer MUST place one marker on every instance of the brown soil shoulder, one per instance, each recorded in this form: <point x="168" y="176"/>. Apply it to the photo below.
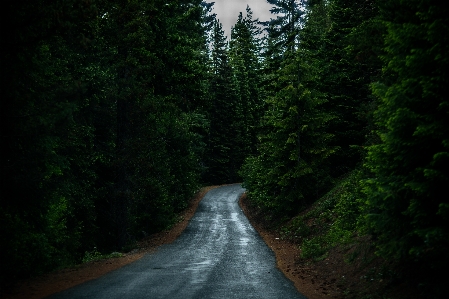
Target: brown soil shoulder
<point x="350" y="272"/>
<point x="305" y="277"/>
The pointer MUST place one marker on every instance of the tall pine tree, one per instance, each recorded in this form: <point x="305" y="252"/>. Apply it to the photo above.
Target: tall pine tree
<point x="408" y="199"/>
<point x="222" y="112"/>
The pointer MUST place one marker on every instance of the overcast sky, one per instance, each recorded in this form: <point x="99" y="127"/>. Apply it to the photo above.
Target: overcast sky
<point x="228" y="11"/>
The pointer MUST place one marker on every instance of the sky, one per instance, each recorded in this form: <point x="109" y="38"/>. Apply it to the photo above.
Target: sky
<point x="228" y="11"/>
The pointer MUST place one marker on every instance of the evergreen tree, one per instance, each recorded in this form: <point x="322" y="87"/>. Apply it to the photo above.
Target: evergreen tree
<point x="349" y="63"/>
<point x="244" y="55"/>
<point x="103" y="104"/>
<point x="288" y="171"/>
<point x="407" y="192"/>
<point x="285" y="28"/>
<point x="222" y="112"/>
<point x="159" y="63"/>
<point x="46" y="135"/>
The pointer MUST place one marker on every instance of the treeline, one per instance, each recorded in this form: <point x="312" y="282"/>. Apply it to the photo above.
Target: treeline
<point x="113" y="115"/>
<point x="356" y="92"/>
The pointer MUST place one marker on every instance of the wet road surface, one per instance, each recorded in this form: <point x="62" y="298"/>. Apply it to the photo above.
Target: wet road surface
<point x="219" y="255"/>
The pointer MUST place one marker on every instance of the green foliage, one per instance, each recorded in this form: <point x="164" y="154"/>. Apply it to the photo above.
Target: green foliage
<point x="114" y="111"/>
<point x="158" y="197"/>
<point x="285" y="28"/>
<point x="363" y="75"/>
<point x="289" y="170"/>
<point x="95" y="255"/>
<point x="234" y="107"/>
<point x="349" y="59"/>
<point x="409" y="167"/>
<point x="222" y="111"/>
<point x="244" y="52"/>
<point x="330" y="222"/>
<point x="314" y="248"/>
<point x="104" y="109"/>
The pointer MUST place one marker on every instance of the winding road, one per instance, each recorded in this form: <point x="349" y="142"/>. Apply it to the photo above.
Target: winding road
<point x="219" y="255"/>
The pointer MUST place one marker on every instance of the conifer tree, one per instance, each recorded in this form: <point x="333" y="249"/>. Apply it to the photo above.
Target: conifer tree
<point x="160" y="78"/>
<point x="407" y="206"/>
<point x="286" y="26"/>
<point x="222" y="112"/>
<point x="46" y="135"/>
<point x="103" y="102"/>
<point x="349" y="63"/>
<point x="244" y="55"/>
<point x="287" y="173"/>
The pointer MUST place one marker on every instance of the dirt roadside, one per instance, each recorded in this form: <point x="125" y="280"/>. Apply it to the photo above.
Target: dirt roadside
<point x="351" y="272"/>
<point x="307" y="278"/>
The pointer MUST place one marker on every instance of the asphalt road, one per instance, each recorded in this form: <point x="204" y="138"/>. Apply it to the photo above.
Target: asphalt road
<point x="219" y="255"/>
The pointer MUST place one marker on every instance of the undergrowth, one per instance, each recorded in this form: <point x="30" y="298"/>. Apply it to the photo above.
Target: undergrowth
<point x="95" y="255"/>
<point x="335" y="222"/>
<point x="330" y="222"/>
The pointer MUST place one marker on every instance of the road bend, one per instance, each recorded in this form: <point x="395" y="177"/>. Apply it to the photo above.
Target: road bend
<point x="219" y="255"/>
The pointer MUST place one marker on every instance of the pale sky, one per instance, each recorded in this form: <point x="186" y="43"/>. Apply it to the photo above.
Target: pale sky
<point x="228" y="11"/>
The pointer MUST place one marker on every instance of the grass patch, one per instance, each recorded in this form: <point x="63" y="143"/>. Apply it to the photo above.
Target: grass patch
<point x="95" y="255"/>
<point x="331" y="221"/>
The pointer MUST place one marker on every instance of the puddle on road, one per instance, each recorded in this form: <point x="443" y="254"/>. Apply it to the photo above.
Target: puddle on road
<point x="198" y="271"/>
<point x="201" y="266"/>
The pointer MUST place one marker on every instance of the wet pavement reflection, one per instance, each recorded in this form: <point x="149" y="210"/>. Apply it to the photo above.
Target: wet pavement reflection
<point x="219" y="255"/>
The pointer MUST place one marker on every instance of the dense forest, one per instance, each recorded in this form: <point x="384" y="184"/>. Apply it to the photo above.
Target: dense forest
<point x="114" y="113"/>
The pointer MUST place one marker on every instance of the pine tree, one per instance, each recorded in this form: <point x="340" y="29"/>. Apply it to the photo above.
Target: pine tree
<point x="222" y="112"/>
<point x="349" y="63"/>
<point x="104" y="109"/>
<point x="285" y="28"/>
<point x="288" y="173"/>
<point x="46" y="137"/>
<point x="160" y="78"/>
<point x="244" y="55"/>
<point x="407" y="192"/>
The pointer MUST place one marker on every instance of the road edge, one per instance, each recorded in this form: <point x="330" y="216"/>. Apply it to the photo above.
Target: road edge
<point x="54" y="282"/>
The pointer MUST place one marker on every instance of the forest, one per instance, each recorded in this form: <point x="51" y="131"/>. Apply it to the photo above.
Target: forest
<point x="114" y="113"/>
